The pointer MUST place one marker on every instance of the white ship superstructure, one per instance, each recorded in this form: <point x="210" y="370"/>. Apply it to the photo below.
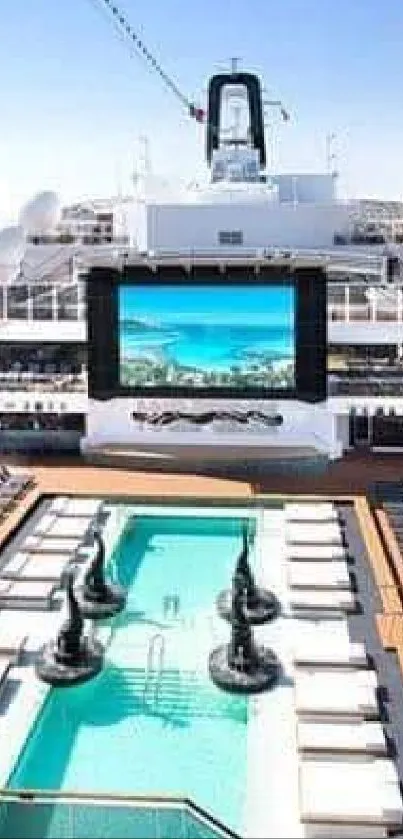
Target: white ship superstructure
<point x="242" y="215"/>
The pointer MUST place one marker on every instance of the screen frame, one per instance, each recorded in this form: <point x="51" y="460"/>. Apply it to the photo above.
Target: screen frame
<point x="310" y="328"/>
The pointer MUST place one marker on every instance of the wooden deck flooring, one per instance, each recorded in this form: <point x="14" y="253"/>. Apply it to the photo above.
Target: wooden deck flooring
<point x="78" y="479"/>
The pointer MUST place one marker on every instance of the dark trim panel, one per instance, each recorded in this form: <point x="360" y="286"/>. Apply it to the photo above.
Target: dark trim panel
<point x="310" y="329"/>
<point x="216" y="86"/>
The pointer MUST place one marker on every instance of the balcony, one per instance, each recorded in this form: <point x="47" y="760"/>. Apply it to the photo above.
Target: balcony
<point x="366" y="384"/>
<point x="364" y="313"/>
<point x="353" y="319"/>
<point x="43" y="382"/>
<point x="46" y="307"/>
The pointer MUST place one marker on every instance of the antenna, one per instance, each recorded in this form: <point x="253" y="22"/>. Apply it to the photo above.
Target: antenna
<point x="118" y="176"/>
<point x="270" y="107"/>
<point x="144" y="156"/>
<point x="331" y="156"/>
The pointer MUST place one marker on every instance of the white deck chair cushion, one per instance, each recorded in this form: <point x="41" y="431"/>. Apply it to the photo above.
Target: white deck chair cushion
<point x="326" y="533"/>
<point x="68" y="527"/>
<point x="365" y="792"/>
<point x="82" y="507"/>
<point x="39" y="567"/>
<point x="328" y="650"/>
<point x="326" y="599"/>
<point x="50" y="545"/>
<point x="14" y="565"/>
<point x="45" y="523"/>
<point x="315" y="553"/>
<point x="58" y="504"/>
<point x="32" y="590"/>
<point x="336" y="693"/>
<point x="319" y="575"/>
<point x="363" y="736"/>
<point x="320" y="512"/>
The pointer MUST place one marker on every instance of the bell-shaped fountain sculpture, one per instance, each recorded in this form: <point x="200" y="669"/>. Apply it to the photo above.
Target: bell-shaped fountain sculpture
<point x="241" y="666"/>
<point x="261" y="605"/>
<point x="98" y="598"/>
<point x="72" y="658"/>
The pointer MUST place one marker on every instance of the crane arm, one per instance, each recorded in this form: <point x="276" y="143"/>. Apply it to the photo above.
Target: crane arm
<point x="120" y="18"/>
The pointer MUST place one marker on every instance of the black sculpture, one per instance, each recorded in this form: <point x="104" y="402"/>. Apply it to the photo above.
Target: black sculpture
<point x="261" y="605"/>
<point x="241" y="666"/>
<point x="68" y="642"/>
<point x="72" y="658"/>
<point x="97" y="598"/>
<point x="165" y="418"/>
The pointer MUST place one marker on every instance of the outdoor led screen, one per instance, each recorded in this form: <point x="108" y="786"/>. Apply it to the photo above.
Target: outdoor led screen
<point x="208" y="333"/>
<point x="207" y="337"/>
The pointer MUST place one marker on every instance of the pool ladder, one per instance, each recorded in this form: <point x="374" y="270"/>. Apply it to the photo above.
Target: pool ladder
<point x="156" y="647"/>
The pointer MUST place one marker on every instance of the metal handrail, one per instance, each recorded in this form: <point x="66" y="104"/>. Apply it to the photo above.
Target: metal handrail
<point x="158" y="801"/>
<point x="150" y="659"/>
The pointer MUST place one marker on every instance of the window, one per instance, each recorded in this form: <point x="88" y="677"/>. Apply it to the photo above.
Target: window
<point x="67" y="303"/>
<point x="42" y="302"/>
<point x="17" y="302"/>
<point x="230" y="237"/>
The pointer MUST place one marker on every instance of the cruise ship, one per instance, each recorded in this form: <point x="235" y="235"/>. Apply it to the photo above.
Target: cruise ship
<point x="244" y="215"/>
<point x="202" y="653"/>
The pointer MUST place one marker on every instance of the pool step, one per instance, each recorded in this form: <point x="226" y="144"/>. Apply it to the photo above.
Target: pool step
<point x="180" y="695"/>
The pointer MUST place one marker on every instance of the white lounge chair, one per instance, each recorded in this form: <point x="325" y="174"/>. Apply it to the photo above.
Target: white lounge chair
<point x="43" y="567"/>
<point x="64" y="506"/>
<point x="311" y="512"/>
<point x="326" y="602"/>
<point x="313" y="630"/>
<point x="313" y="575"/>
<point x="325" y="533"/>
<point x="315" y="553"/>
<point x="351" y="739"/>
<point x="44" y="524"/>
<point x="363" y="795"/>
<point x="88" y="507"/>
<point x="23" y="594"/>
<point x="71" y="527"/>
<point x="13" y="566"/>
<point x="329" y="694"/>
<point x="47" y="544"/>
<point x="329" y="652"/>
<point x="12" y="643"/>
<point x="58" y="505"/>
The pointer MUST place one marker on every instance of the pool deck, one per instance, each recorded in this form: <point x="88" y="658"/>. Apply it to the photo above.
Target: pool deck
<point x="374" y="544"/>
<point x="347" y="480"/>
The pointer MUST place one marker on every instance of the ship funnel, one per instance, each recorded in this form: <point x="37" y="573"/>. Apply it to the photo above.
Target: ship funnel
<point x="217" y="86"/>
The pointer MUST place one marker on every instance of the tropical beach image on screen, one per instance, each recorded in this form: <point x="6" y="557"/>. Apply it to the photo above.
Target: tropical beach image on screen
<point x="207" y="336"/>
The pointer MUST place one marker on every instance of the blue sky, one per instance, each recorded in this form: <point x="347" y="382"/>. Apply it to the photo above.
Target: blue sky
<point x="73" y="101"/>
<point x="210" y="305"/>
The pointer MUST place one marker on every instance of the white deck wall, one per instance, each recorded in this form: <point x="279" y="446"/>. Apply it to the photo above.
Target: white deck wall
<point x="196" y="227"/>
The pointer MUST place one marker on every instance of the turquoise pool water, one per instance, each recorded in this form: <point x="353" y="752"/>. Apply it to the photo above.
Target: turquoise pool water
<point x="173" y="733"/>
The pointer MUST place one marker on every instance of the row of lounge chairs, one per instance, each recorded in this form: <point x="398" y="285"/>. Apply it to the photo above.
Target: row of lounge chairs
<point x="30" y="579"/>
<point x="317" y="555"/>
<point x="348" y="786"/>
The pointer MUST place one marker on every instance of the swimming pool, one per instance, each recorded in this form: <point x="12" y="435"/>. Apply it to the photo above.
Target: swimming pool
<point x="165" y="729"/>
